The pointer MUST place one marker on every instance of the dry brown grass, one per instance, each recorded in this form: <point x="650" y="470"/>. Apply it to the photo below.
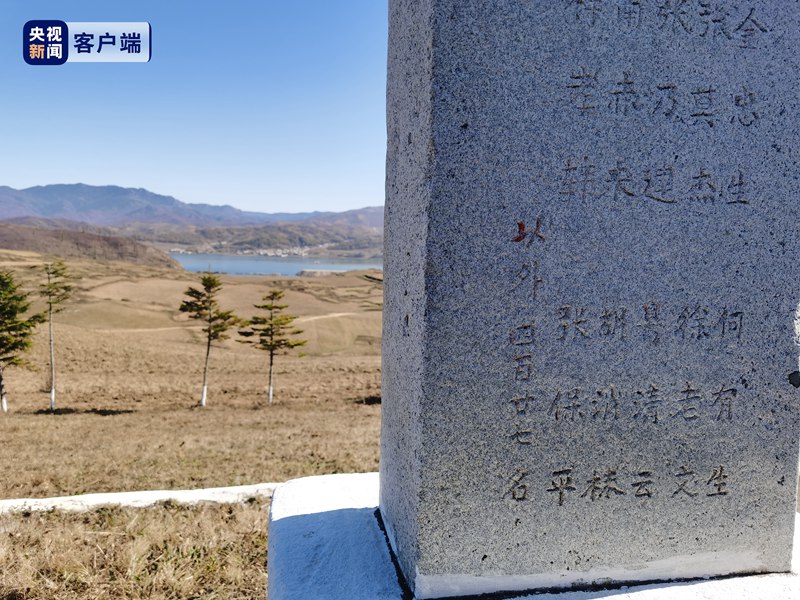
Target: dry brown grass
<point x="229" y="443"/>
<point x="205" y="551"/>
<point x="129" y="375"/>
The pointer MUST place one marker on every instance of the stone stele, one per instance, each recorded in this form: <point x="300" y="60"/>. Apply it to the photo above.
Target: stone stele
<point x="592" y="278"/>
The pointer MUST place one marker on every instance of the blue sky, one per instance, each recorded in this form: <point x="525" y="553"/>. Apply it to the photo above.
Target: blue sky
<point x="274" y="106"/>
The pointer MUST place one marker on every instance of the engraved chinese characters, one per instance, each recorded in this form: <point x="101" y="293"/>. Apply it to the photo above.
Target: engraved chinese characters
<point x="704" y="104"/>
<point x="591" y="267"/>
<point x="711" y="20"/>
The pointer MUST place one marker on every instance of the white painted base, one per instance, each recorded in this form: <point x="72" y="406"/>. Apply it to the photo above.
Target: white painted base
<point x="85" y="502"/>
<point x="324" y="542"/>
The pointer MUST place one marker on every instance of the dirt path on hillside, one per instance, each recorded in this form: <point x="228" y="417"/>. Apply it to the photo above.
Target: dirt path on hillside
<point x="330" y="316"/>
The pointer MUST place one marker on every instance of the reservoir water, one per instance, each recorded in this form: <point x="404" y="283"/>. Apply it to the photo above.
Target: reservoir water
<point x="268" y="265"/>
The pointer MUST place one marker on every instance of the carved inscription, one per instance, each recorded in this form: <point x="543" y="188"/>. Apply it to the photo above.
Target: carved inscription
<point x="713" y="20"/>
<point x="576" y="405"/>
<point x="570" y="484"/>
<point x="527" y="279"/>
<point x="584" y="178"/>
<point x="523" y="232"/>
<point x="702" y="104"/>
<point x="610" y="483"/>
<point x="652" y="404"/>
<point x="652" y="322"/>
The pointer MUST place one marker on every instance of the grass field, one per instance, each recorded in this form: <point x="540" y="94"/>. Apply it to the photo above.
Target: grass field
<point x="166" y="552"/>
<point x="129" y="376"/>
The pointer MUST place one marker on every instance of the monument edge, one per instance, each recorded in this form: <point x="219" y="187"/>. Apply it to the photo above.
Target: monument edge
<point x="409" y="169"/>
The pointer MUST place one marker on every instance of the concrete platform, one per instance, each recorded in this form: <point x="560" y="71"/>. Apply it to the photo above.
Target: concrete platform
<point x="325" y="542"/>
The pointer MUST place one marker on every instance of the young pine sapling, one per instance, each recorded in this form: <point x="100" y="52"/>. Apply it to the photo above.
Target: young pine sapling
<point x="272" y="332"/>
<point x="15" y="329"/>
<point x="55" y="293"/>
<point x="204" y="306"/>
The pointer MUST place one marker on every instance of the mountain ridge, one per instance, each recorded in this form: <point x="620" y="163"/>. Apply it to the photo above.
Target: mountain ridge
<point x="167" y="223"/>
<point x="115" y="206"/>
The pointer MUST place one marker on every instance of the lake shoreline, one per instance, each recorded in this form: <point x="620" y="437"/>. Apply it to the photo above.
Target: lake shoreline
<point x="260" y="265"/>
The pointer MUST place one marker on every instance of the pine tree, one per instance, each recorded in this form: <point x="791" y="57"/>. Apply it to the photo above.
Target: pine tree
<point x="15" y="331"/>
<point x="271" y="333"/>
<point x="204" y="306"/>
<point x="55" y="292"/>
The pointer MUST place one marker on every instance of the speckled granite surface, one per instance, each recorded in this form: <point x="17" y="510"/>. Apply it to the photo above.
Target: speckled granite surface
<point x="591" y="284"/>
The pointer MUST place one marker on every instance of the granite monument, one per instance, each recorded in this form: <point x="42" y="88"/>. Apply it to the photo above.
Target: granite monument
<point x="590" y="368"/>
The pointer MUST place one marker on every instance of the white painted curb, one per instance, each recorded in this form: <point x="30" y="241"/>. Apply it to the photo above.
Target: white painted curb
<point x="86" y="502"/>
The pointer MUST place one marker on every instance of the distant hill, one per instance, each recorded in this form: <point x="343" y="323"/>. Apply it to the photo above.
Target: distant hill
<point x="76" y="244"/>
<point x="307" y="234"/>
<point x="370" y="217"/>
<point x="163" y="220"/>
<point x="113" y="206"/>
<point x="43" y="223"/>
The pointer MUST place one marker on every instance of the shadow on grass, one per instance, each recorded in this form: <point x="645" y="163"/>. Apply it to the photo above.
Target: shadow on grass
<point x="368" y="400"/>
<point x="103" y="412"/>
